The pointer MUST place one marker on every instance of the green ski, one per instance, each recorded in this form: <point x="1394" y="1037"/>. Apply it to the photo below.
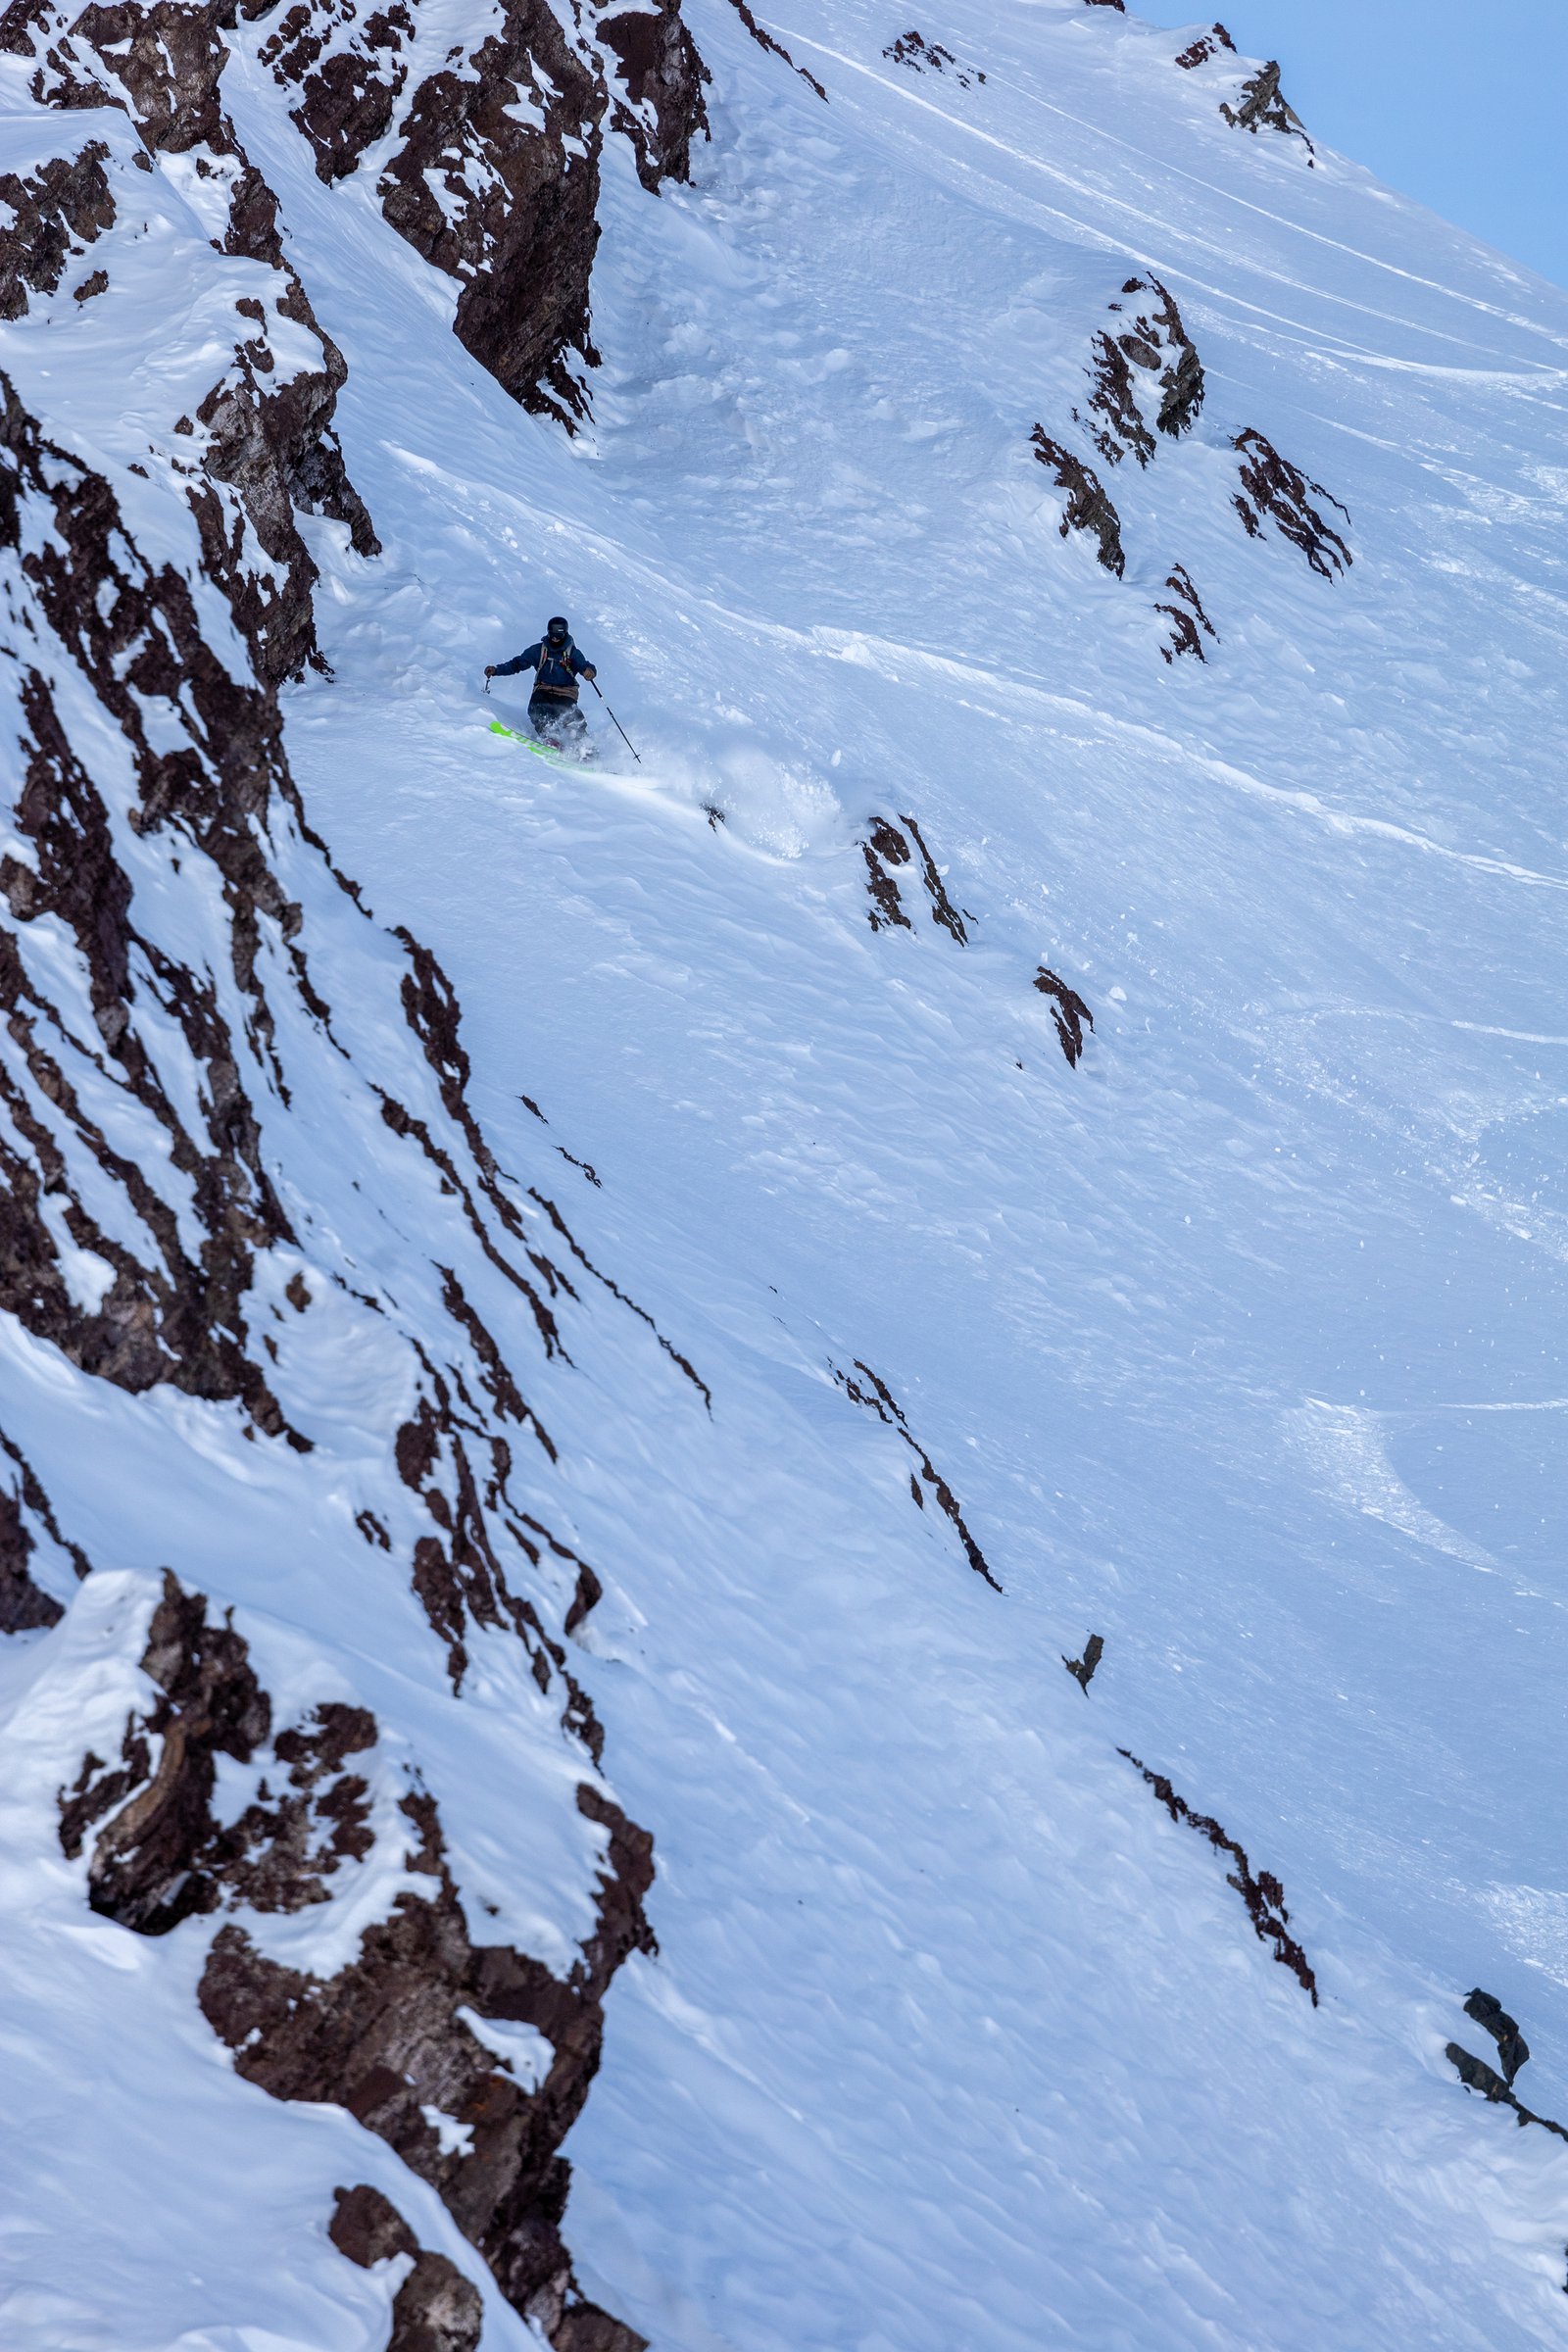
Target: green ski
<point x="531" y="742"/>
<point x="542" y="750"/>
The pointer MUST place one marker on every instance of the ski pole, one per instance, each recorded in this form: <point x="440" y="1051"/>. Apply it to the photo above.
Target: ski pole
<point x="615" y="723"/>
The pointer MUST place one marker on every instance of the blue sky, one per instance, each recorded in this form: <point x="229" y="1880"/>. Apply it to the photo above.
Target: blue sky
<point x="1456" y="102"/>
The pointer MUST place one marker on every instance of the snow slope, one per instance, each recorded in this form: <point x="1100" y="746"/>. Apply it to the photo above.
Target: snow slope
<point x="1237" y="1344"/>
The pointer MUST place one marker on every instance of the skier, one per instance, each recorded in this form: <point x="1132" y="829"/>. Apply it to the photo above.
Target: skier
<point x="553" y="712"/>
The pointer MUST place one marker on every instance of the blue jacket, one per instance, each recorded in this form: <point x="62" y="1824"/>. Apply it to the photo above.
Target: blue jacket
<point x="558" y="672"/>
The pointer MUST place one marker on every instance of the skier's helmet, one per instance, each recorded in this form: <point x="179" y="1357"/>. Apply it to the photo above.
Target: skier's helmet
<point x="556" y="629"/>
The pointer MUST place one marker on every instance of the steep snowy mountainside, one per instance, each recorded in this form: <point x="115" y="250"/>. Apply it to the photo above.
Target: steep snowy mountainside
<point x="968" y="1332"/>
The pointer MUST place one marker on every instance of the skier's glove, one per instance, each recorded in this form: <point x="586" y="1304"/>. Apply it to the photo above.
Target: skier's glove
<point x="489" y="669"/>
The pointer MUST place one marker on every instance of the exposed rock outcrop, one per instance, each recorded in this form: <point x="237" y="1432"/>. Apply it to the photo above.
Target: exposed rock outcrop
<point x="436" y="2309"/>
<point x="497" y="174"/>
<point x="1148" y="387"/>
<point x="28" y="1526"/>
<point x="166" y="57"/>
<point x="1155" y="343"/>
<point x="1259" y="1891"/>
<point x="269" y="441"/>
<point x="1187" y="617"/>
<point x="1207" y="44"/>
<point x="508" y="209"/>
<point x="1083" y="1669"/>
<point x="67" y="73"/>
<point x="1475" y="2074"/>
<point x="922" y="56"/>
<point x="397" y="2036"/>
<point x="1089" y="507"/>
<point x="887" y="850"/>
<point x="1262" y="107"/>
<point x="1513" y="2051"/>
<point x="24" y="1607"/>
<point x="659" y="105"/>
<point x="55" y="211"/>
<point x="1068" y="1012"/>
<point x="170" y="1314"/>
<point x="349" y="71"/>
<point x="878" y="1398"/>
<point x="262" y="435"/>
<point x="764" y="41"/>
<point x="1273" y="487"/>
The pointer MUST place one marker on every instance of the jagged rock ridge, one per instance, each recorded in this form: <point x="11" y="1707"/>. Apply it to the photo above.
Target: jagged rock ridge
<point x="260" y="443"/>
<point x="495" y="179"/>
<point x="173" y="923"/>
<point x="1207" y="44"/>
<point x="1154" y="341"/>
<point x="1262" y="107"/>
<point x="922" y="56"/>
<point x="386" y="2037"/>
<point x="887" y="850"/>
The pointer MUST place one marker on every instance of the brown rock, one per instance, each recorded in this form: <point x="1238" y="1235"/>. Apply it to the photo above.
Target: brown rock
<point x="1187" y="617"/>
<point x="922" y="56"/>
<point x="268" y="439"/>
<point x="67" y="73"/>
<point x="382" y="2038"/>
<point x="1263" y="108"/>
<point x="368" y="2228"/>
<point x="764" y="41"/>
<point x="885" y="849"/>
<point x="515" y="220"/>
<point x="1207" y="44"/>
<point x="662" y="75"/>
<point x="173" y="1314"/>
<point x="1153" y="341"/>
<point x="1089" y="508"/>
<point x="1259" y="1891"/>
<point x="167" y="59"/>
<point x="437" y="2309"/>
<point x="1068" y="1010"/>
<point x="349" y="69"/>
<point x="23" y="1607"/>
<point x="1272" y="486"/>
<point x="1475" y="2074"/>
<point x="872" y="1392"/>
<point x="1083" y="1669"/>
<point x="65" y="201"/>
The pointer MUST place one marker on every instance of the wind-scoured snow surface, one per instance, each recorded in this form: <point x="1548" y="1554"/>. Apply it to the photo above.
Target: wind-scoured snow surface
<point x="1235" y="1342"/>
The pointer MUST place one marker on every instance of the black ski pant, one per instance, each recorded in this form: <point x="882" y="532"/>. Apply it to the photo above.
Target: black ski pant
<point x="555" y="721"/>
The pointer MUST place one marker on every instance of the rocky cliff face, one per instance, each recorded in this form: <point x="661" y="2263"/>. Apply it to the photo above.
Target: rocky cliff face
<point x="397" y="2036"/>
<point x="146" y="1086"/>
<point x="494" y="174"/>
<point x="259" y="444"/>
<point x="183" y="971"/>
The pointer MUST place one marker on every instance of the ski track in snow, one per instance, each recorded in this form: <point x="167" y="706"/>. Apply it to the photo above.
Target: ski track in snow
<point x="955" y="2041"/>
